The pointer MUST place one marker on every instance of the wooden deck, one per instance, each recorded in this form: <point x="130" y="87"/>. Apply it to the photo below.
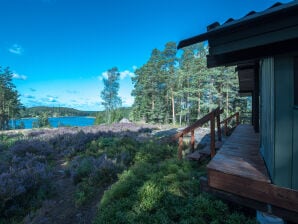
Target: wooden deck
<point x="238" y="168"/>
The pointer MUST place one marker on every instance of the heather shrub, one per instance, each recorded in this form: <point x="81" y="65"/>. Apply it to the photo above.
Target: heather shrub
<point x="21" y="186"/>
<point x="24" y="177"/>
<point x="99" y="164"/>
<point x="95" y="156"/>
<point x="33" y="147"/>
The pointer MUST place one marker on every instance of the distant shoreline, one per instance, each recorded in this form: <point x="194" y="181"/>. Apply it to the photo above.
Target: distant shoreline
<point x="71" y="121"/>
<point x="52" y="117"/>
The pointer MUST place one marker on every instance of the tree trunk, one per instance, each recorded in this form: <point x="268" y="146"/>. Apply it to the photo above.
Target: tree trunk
<point x="173" y="108"/>
<point x="180" y="116"/>
<point x="199" y="104"/>
<point x="187" y="102"/>
<point x="227" y="103"/>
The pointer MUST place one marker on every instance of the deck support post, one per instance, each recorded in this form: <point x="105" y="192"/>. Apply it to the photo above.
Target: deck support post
<point x="180" y="147"/>
<point x="192" y="141"/>
<point x="218" y="127"/>
<point x="212" y="135"/>
<point x="237" y="119"/>
<point x="226" y="128"/>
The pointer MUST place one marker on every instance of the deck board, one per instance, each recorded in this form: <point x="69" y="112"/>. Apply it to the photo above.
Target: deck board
<point x="238" y="168"/>
<point x="240" y="156"/>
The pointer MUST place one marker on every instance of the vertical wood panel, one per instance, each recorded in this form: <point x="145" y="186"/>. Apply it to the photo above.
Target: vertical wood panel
<point x="284" y="121"/>
<point x="295" y="130"/>
<point x="295" y="151"/>
<point x="296" y="81"/>
<point x="267" y="113"/>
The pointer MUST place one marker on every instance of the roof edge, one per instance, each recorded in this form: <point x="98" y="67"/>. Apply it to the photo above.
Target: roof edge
<point x="272" y="11"/>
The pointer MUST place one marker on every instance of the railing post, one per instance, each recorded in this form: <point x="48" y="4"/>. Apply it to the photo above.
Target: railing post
<point x="237" y="119"/>
<point x="180" y="147"/>
<point x="226" y="127"/>
<point x="212" y="135"/>
<point x="192" y="141"/>
<point x="218" y="127"/>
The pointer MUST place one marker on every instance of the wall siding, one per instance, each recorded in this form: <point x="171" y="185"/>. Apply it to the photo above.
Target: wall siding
<point x="295" y="151"/>
<point x="283" y="70"/>
<point x="267" y="112"/>
<point x="295" y="129"/>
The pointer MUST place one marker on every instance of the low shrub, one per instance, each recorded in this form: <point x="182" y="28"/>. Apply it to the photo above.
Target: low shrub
<point x="158" y="188"/>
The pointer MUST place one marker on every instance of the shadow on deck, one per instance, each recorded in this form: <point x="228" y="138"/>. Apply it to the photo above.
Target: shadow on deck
<point x="237" y="173"/>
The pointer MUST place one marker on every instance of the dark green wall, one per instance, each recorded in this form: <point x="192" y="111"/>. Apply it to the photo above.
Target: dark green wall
<point x="295" y="151"/>
<point x="283" y="168"/>
<point x="267" y="112"/>
<point x="279" y="120"/>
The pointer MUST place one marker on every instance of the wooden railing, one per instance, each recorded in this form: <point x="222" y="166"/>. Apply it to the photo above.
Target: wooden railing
<point x="227" y="121"/>
<point x="215" y="114"/>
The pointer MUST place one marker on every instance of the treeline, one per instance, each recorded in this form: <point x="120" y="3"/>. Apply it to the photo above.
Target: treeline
<point x="54" y="112"/>
<point x="177" y="87"/>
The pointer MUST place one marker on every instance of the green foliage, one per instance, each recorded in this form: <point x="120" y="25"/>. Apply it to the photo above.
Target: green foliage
<point x="42" y="121"/>
<point x="174" y="86"/>
<point x="109" y="95"/>
<point x="9" y="99"/>
<point x="89" y="181"/>
<point x="158" y="188"/>
<point x="84" y="193"/>
<point x="116" y="115"/>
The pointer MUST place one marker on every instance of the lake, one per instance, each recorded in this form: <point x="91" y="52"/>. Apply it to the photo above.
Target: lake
<point x="60" y="121"/>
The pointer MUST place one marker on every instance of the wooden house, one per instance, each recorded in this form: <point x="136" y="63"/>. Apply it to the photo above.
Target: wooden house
<point x="259" y="168"/>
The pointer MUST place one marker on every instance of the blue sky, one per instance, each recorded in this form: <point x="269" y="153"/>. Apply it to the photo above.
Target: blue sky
<point x="59" y="50"/>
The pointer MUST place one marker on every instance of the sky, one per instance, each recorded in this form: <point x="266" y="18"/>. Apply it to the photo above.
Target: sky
<point x="59" y="50"/>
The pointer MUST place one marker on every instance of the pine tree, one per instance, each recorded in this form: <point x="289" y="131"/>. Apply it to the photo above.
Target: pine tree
<point x="9" y="99"/>
<point x="109" y="95"/>
<point x="169" y="65"/>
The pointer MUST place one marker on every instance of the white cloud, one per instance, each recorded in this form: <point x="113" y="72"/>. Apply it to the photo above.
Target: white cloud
<point x="18" y="76"/>
<point x="52" y="100"/>
<point x="126" y="73"/>
<point x="123" y="74"/>
<point x="134" y="67"/>
<point x="16" y="49"/>
<point x="105" y="75"/>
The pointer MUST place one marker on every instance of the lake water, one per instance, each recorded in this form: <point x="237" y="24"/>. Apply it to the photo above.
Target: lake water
<point x="60" y="121"/>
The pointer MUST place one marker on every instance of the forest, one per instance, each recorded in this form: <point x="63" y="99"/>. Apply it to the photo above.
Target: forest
<point x="177" y="87"/>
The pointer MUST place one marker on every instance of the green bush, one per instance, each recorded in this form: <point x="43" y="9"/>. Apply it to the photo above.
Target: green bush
<point x="84" y="169"/>
<point x="158" y="188"/>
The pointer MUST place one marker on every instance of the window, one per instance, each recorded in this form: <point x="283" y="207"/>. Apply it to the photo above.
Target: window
<point x="296" y="82"/>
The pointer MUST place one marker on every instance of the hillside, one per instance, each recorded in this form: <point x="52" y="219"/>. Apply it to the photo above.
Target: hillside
<point x="54" y="112"/>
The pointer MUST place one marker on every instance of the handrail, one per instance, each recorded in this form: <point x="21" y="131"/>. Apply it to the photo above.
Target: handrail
<point x="215" y="114"/>
<point x="227" y="120"/>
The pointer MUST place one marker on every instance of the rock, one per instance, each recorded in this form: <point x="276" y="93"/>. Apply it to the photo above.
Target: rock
<point x="124" y="121"/>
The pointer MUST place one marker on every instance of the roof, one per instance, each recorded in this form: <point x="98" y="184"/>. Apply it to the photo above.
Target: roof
<point x="273" y="12"/>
